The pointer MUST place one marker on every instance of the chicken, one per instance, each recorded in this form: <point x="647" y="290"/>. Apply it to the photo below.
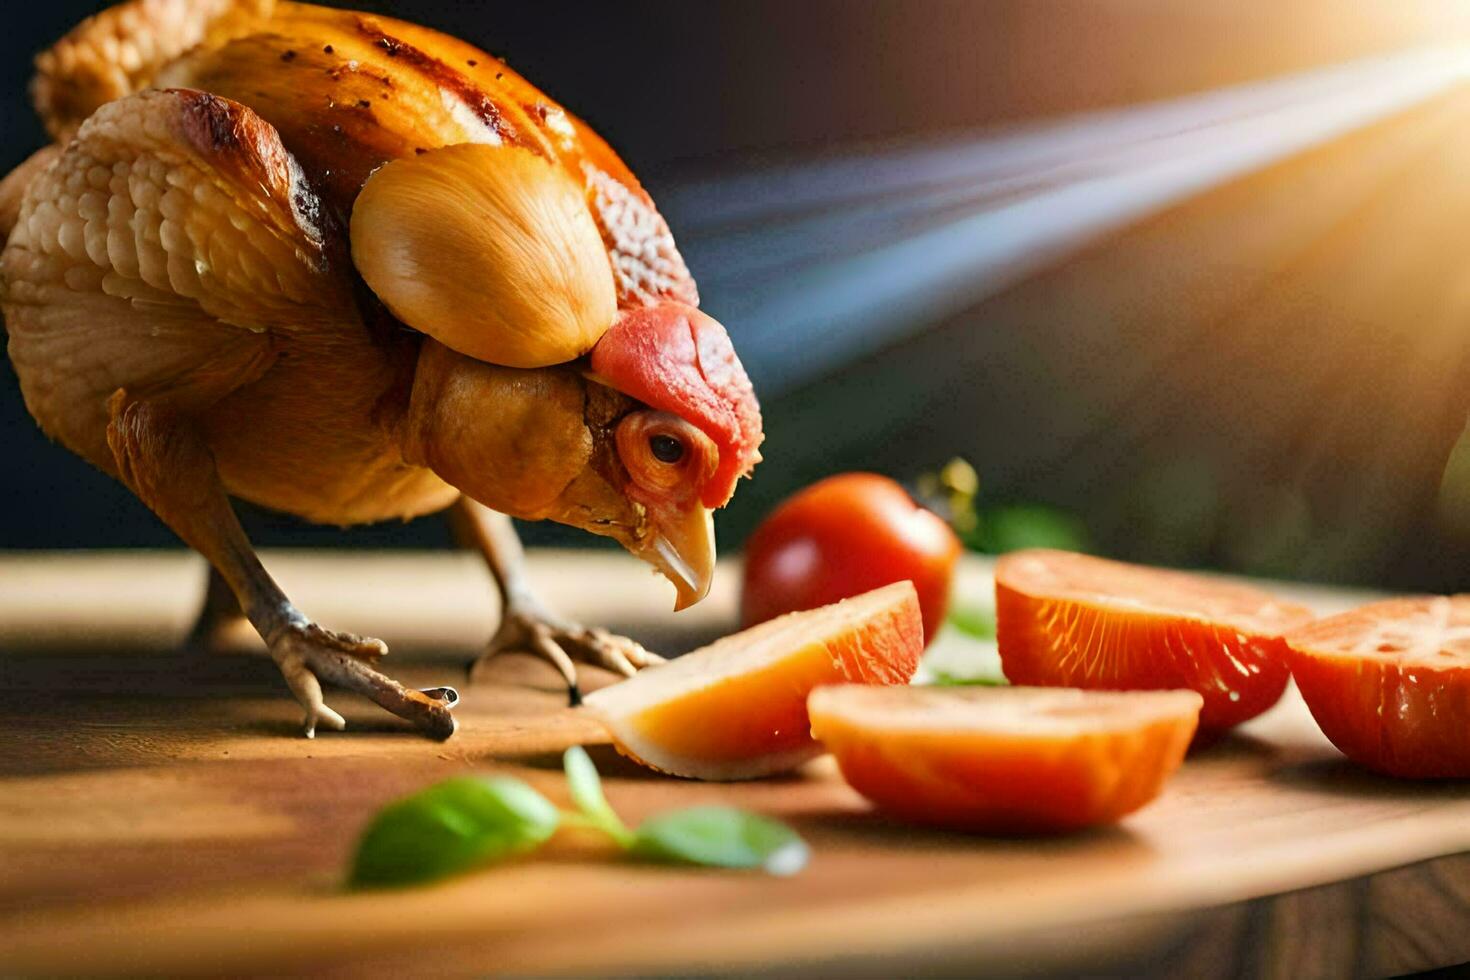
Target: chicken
<point x="352" y="269"/>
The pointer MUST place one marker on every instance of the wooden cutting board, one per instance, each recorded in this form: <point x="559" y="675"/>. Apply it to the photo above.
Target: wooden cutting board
<point x="160" y="814"/>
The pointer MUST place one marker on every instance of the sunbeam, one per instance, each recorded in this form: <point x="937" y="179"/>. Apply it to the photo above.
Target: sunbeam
<point x="840" y="257"/>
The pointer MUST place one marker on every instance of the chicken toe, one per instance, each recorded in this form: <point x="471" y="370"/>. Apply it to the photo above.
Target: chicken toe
<point x="525" y="625"/>
<point x="160" y="454"/>
<point x="528" y="629"/>
<point x="308" y="654"/>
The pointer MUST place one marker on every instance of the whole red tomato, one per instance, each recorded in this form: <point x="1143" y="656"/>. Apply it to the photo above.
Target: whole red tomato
<point x="841" y="537"/>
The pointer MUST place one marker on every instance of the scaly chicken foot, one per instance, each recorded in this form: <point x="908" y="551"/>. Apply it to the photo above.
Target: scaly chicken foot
<point x="530" y="629"/>
<point x="527" y="626"/>
<point x="307" y="654"/>
<point x="161" y="456"/>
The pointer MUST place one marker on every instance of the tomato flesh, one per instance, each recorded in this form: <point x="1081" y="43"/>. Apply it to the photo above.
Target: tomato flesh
<point x="1068" y="620"/>
<point x="1389" y="684"/>
<point x="736" y="709"/>
<point x="1005" y="760"/>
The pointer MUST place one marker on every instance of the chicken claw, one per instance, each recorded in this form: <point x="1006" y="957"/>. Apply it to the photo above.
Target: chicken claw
<point x="308" y="654"/>
<point x="526" y="625"/>
<point x="529" y="629"/>
<point x="306" y="688"/>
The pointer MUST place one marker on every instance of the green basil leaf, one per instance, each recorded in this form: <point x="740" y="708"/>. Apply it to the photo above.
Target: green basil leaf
<point x="943" y="679"/>
<point x="583" y="781"/>
<point x="451" y="827"/>
<point x="974" y="621"/>
<point x="586" y="789"/>
<point x="721" y="837"/>
<point x="1012" y="527"/>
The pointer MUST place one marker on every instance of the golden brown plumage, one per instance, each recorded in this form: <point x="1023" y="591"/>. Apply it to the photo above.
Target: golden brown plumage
<point x="202" y="300"/>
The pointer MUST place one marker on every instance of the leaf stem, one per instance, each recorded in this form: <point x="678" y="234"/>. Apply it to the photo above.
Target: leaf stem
<point x="586" y="789"/>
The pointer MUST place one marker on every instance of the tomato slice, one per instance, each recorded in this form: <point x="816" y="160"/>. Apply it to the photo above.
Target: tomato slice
<point x="1069" y="620"/>
<point x="736" y="709"/>
<point x="1005" y="760"/>
<point x="1389" y="683"/>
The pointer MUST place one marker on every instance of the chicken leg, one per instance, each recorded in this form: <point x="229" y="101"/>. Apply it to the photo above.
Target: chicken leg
<point x="525" y="624"/>
<point x="162" y="458"/>
<point x="219" y="616"/>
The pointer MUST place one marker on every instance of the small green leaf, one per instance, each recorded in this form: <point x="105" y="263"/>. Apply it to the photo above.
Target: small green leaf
<point x="942" y="679"/>
<point x="1012" y="527"/>
<point x="583" y="781"/>
<point x="586" y="789"/>
<point x="974" y="621"/>
<point x="451" y="827"/>
<point x="721" y="837"/>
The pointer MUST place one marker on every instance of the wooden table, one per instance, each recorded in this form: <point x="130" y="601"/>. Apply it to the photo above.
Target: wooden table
<point x="160" y="814"/>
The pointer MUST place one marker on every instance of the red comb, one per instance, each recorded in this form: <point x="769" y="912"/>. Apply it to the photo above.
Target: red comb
<point x="676" y="359"/>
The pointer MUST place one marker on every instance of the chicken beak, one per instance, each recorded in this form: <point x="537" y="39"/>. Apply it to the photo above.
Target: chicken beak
<point x="684" y="551"/>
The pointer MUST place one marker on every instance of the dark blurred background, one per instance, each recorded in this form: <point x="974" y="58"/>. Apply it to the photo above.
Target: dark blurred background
<point x="1185" y="280"/>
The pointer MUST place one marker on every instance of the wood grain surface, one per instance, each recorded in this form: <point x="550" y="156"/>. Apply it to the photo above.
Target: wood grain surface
<point x="159" y="814"/>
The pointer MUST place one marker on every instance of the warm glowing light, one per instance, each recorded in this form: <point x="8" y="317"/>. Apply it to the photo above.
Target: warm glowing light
<point x="846" y="255"/>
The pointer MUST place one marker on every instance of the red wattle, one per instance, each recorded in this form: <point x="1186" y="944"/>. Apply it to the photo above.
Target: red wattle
<point x="676" y="359"/>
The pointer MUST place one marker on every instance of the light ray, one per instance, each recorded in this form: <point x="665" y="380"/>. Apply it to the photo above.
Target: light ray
<point x="817" y="264"/>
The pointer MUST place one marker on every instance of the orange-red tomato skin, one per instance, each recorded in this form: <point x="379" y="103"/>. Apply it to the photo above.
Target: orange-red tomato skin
<point x="1405" y="720"/>
<point x="844" y="536"/>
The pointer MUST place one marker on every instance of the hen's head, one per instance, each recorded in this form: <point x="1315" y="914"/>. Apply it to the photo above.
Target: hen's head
<point x="695" y="432"/>
<point x="640" y="442"/>
<point x="552" y="385"/>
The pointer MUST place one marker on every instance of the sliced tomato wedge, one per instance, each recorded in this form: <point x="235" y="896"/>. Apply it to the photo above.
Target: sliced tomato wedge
<point x="736" y="709"/>
<point x="1390" y="684"/>
<point x="1006" y="759"/>
<point x="1070" y="620"/>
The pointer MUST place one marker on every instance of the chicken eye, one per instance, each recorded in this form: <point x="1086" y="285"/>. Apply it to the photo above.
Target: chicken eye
<point x="665" y="449"/>
<point x="663" y="454"/>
